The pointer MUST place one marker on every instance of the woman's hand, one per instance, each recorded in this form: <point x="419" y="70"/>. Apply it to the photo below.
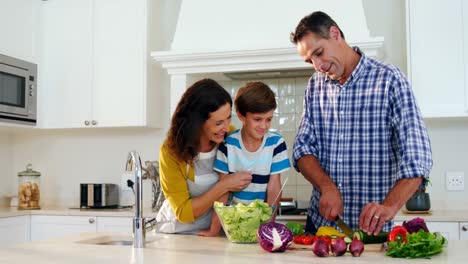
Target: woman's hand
<point x="237" y="181"/>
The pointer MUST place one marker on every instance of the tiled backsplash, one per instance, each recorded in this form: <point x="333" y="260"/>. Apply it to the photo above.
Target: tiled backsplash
<point x="290" y="95"/>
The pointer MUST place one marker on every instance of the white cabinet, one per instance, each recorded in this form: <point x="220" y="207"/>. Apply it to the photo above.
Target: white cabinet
<point x="463" y="230"/>
<point x="18" y="33"/>
<point x="448" y="229"/>
<point x="14" y="230"/>
<point x="53" y="226"/>
<point x="94" y="64"/>
<point x="437" y="35"/>
<point x="114" y="224"/>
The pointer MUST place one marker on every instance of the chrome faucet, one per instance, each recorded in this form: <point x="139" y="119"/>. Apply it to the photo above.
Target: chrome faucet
<point x="139" y="224"/>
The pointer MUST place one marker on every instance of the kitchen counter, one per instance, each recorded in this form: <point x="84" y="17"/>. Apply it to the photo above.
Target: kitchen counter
<point x="433" y="216"/>
<point x="193" y="249"/>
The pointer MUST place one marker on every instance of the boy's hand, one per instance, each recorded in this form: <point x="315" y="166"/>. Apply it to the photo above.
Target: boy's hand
<point x="238" y="181"/>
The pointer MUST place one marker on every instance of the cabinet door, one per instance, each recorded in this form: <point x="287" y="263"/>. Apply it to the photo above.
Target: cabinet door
<point x="448" y="229"/>
<point x="436" y="62"/>
<point x="19" y="20"/>
<point x="463" y="230"/>
<point x="52" y="226"/>
<point x="115" y="224"/>
<point x="14" y="230"/>
<point x="120" y="62"/>
<point x="65" y="72"/>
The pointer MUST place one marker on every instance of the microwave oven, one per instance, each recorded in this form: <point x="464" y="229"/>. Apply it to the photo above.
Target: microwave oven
<point x="18" y="90"/>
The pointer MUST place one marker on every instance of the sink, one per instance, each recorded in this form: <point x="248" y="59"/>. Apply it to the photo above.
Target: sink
<point x="114" y="240"/>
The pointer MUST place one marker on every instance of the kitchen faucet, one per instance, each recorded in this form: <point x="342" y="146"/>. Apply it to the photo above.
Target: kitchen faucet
<point x="139" y="224"/>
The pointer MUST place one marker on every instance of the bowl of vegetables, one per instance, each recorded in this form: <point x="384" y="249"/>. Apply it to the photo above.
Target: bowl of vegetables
<point x="240" y="222"/>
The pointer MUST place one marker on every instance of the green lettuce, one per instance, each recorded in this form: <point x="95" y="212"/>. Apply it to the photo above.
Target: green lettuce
<point x="240" y="222"/>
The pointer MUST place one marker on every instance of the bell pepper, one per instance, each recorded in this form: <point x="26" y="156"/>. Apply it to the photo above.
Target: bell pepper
<point x="397" y="234"/>
<point x="296" y="228"/>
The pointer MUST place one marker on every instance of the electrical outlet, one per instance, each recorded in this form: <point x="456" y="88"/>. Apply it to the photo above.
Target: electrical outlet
<point x="125" y="177"/>
<point x="455" y="181"/>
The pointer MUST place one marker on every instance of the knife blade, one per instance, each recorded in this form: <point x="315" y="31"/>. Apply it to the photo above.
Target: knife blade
<point x="348" y="231"/>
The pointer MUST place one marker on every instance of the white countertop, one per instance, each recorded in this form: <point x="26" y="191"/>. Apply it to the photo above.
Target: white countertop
<point x="432" y="216"/>
<point x="194" y="249"/>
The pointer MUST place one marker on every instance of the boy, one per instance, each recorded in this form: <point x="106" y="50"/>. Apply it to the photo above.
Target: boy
<point x="254" y="148"/>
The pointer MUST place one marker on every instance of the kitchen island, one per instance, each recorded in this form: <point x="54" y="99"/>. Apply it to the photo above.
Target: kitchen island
<point x="164" y="248"/>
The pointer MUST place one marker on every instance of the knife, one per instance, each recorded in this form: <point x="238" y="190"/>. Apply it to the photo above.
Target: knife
<point x="346" y="229"/>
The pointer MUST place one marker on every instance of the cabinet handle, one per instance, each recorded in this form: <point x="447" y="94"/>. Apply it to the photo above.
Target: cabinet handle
<point x="465" y="227"/>
<point x="86" y="122"/>
<point x="91" y="220"/>
<point x="94" y="122"/>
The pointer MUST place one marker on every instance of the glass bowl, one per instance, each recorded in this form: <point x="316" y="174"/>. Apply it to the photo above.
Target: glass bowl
<point x="240" y="222"/>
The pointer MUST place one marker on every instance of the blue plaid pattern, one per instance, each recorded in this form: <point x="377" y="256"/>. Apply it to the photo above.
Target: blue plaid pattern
<point x="366" y="134"/>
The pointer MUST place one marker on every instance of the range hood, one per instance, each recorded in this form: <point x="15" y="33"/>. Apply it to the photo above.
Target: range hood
<point x="238" y="39"/>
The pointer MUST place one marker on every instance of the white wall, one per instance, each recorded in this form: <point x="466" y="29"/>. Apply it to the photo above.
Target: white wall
<point x="67" y="158"/>
<point x="6" y="166"/>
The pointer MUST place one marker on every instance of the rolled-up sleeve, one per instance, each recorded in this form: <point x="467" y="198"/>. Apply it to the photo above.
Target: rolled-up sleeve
<point x="174" y="185"/>
<point x="411" y="133"/>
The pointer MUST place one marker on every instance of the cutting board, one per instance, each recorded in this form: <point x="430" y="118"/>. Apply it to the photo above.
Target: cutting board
<point x="367" y="247"/>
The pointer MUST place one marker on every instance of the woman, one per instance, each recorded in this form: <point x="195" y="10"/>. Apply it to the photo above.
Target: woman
<point x="200" y="122"/>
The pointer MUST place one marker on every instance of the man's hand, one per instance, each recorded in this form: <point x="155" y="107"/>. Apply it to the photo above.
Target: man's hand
<point x="331" y="204"/>
<point x="373" y="217"/>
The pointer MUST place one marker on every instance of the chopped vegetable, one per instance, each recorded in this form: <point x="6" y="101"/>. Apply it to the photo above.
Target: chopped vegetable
<point x="328" y="231"/>
<point x="419" y="245"/>
<point x="320" y="248"/>
<point x="371" y="239"/>
<point x="397" y="234"/>
<point x="356" y="247"/>
<point x="296" y="228"/>
<point x="415" y="225"/>
<point x="240" y="222"/>
<point x="338" y="246"/>
<point x="274" y="237"/>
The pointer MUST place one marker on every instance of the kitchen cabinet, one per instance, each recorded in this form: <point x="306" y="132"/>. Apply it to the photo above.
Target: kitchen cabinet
<point x="18" y="33"/>
<point x="463" y="230"/>
<point x="437" y="35"/>
<point x="14" y="230"/>
<point x="53" y="226"/>
<point x="448" y="229"/>
<point x="114" y="224"/>
<point x="94" y="65"/>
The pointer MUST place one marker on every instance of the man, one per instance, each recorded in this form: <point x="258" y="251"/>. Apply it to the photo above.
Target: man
<point x="361" y="142"/>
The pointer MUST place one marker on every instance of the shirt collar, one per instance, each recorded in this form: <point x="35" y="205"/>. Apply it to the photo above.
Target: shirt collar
<point x="356" y="72"/>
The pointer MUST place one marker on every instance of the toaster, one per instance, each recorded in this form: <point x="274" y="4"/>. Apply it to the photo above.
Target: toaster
<point x="99" y="195"/>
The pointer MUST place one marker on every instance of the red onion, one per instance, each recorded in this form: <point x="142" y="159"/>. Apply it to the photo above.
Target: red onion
<point x="338" y="246"/>
<point x="274" y="237"/>
<point x="320" y="248"/>
<point x="356" y="247"/>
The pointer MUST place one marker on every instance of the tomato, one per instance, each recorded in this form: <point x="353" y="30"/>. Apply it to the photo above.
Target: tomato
<point x="297" y="239"/>
<point x="327" y="239"/>
<point x="307" y="240"/>
<point x="397" y="234"/>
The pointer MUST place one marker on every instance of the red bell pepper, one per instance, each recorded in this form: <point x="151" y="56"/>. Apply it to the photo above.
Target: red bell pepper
<point x="397" y="234"/>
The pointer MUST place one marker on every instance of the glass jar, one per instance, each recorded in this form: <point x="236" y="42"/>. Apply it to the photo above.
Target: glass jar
<point x="29" y="188"/>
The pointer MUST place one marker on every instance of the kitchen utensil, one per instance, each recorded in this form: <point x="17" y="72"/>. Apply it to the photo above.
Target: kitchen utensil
<point x="278" y="196"/>
<point x="348" y="231"/>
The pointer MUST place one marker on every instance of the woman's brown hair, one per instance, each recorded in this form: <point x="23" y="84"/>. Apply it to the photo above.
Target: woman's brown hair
<point x="194" y="108"/>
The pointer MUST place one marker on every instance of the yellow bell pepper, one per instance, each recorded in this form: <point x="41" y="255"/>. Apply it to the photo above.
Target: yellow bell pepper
<point x="328" y="231"/>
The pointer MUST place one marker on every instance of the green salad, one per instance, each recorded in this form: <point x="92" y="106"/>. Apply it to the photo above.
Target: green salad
<point x="240" y="222"/>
